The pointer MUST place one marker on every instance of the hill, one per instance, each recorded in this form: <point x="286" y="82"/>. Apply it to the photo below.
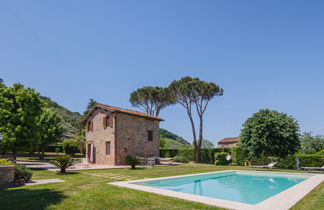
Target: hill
<point x="72" y="123"/>
<point x="71" y="120"/>
<point x="173" y="141"/>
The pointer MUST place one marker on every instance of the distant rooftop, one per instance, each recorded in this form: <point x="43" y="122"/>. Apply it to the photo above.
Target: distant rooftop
<point x="229" y="140"/>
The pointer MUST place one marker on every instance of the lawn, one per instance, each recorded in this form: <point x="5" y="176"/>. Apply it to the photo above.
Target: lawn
<point x="89" y="190"/>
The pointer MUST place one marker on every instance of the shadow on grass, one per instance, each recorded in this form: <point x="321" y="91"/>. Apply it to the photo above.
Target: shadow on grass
<point x="29" y="199"/>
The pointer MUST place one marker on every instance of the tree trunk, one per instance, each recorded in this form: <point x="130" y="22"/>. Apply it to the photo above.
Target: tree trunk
<point x="198" y="153"/>
<point x="42" y="153"/>
<point x="133" y="166"/>
<point x="63" y="170"/>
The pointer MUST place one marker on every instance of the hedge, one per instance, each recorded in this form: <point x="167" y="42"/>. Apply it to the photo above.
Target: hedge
<point x="168" y="153"/>
<point x="220" y="158"/>
<point x="288" y="162"/>
<point x="207" y="155"/>
<point x="54" y="147"/>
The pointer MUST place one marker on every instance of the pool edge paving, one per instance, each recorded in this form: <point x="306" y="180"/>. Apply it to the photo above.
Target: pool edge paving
<point x="283" y="200"/>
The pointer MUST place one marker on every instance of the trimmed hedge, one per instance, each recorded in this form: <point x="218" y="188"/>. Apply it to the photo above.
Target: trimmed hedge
<point x="207" y="155"/>
<point x="54" y="148"/>
<point x="220" y="158"/>
<point x="168" y="153"/>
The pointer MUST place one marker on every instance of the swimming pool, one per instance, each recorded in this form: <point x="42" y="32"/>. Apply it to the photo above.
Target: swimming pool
<point x="233" y="189"/>
<point x="244" y="187"/>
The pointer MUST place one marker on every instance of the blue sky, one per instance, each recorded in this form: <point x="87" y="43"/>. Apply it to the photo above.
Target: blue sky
<point x="265" y="54"/>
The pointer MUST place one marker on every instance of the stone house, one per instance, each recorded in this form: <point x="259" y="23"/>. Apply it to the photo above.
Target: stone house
<point x="228" y="142"/>
<point x="112" y="133"/>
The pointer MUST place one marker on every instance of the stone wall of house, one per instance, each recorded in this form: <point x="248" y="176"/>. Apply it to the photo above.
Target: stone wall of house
<point x="132" y="137"/>
<point x="99" y="136"/>
<point x="6" y="175"/>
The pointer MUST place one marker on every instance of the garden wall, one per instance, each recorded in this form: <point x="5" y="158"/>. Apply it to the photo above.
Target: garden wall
<point x="6" y="175"/>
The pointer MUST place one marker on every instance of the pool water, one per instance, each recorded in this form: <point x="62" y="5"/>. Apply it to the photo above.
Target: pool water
<point x="244" y="187"/>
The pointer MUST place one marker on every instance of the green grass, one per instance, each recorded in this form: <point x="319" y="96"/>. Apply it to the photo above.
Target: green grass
<point x="89" y="190"/>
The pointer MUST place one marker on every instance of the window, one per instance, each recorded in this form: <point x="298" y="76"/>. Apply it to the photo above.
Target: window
<point x="90" y="126"/>
<point x="108" y="121"/>
<point x="108" y="148"/>
<point x="150" y="135"/>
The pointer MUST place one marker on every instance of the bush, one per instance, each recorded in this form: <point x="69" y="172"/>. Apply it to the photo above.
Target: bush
<point x="132" y="161"/>
<point x="237" y="156"/>
<point x="187" y="153"/>
<point x="168" y="153"/>
<point x="220" y="158"/>
<point x="311" y="160"/>
<point x="55" y="148"/>
<point x="22" y="172"/>
<point x="233" y="164"/>
<point x="63" y="162"/>
<point x="320" y="152"/>
<point x="5" y="162"/>
<point x="181" y="159"/>
<point x="70" y="147"/>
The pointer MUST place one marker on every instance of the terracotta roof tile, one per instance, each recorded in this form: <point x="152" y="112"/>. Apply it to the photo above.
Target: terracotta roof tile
<point x="229" y="140"/>
<point x="121" y="110"/>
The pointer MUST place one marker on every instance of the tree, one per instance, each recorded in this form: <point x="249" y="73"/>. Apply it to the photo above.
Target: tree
<point x="91" y="104"/>
<point x="1" y="82"/>
<point x="51" y="130"/>
<point x="151" y="99"/>
<point x="270" y="133"/>
<point x="20" y="109"/>
<point x="206" y="144"/>
<point x="311" y="144"/>
<point x="189" y="92"/>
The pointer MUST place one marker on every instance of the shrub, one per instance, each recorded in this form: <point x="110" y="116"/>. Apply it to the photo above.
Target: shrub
<point x="220" y="158"/>
<point x="168" y="152"/>
<point x="233" y="164"/>
<point x="207" y="156"/>
<point x="187" y="153"/>
<point x="70" y="147"/>
<point x="55" y="148"/>
<point x="5" y="162"/>
<point x="181" y="159"/>
<point x="320" y="152"/>
<point x="22" y="172"/>
<point x="311" y="160"/>
<point x="132" y="161"/>
<point x="237" y="156"/>
<point x="63" y="162"/>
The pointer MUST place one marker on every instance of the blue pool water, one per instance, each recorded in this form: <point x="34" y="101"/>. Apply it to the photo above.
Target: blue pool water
<point x="244" y="187"/>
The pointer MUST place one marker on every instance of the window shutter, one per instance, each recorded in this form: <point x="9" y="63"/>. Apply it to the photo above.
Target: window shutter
<point x="91" y="128"/>
<point x="104" y="120"/>
<point x="111" y="120"/>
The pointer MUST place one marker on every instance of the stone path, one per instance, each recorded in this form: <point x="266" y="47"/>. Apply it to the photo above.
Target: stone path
<point x="44" y="181"/>
<point x="115" y="176"/>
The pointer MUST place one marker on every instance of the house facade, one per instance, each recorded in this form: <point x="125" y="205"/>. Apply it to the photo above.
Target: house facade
<point x="228" y="142"/>
<point x="112" y="133"/>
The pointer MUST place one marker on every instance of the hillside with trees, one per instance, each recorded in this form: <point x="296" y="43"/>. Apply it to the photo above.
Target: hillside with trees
<point x="71" y="120"/>
<point x="169" y="140"/>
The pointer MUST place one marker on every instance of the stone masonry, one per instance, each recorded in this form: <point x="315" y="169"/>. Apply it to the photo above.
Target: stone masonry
<point x="128" y="135"/>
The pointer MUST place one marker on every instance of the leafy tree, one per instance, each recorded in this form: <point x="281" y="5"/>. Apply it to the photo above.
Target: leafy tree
<point x="91" y="104"/>
<point x="206" y="144"/>
<point x="51" y="130"/>
<point x="1" y="82"/>
<point x="270" y="133"/>
<point x="162" y="143"/>
<point x="151" y="99"/>
<point x="311" y="144"/>
<point x="189" y="92"/>
<point x="20" y="109"/>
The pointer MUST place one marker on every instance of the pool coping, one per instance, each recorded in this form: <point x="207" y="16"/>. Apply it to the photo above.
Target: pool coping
<point x="283" y="200"/>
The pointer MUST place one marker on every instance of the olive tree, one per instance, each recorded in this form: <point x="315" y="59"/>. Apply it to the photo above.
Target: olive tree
<point x="151" y="99"/>
<point x="20" y="109"/>
<point x="195" y="94"/>
<point x="270" y="133"/>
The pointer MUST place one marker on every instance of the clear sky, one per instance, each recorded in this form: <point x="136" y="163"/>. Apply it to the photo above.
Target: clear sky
<point x="265" y="54"/>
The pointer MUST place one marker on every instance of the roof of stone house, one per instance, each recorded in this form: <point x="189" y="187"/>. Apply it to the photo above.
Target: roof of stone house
<point x="229" y="140"/>
<point x="121" y="110"/>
